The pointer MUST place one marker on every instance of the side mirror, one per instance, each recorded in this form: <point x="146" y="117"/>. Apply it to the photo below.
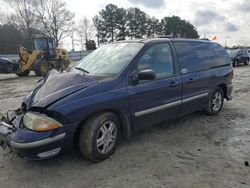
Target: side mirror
<point x="147" y="74"/>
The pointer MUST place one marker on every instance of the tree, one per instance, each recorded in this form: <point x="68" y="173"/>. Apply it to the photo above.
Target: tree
<point x="2" y="17"/>
<point x="114" y="23"/>
<point x="85" y="31"/>
<point x="137" y="23"/>
<point x="121" y="24"/>
<point x="10" y="37"/>
<point x="154" y="27"/>
<point x="24" y="16"/>
<point x="56" y="19"/>
<point x="90" y="45"/>
<point x="178" y="27"/>
<point x="100" y="29"/>
<point x="110" y="24"/>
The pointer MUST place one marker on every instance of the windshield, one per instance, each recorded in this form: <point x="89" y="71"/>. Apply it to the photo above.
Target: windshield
<point x="233" y="53"/>
<point x="108" y="60"/>
<point x="40" y="44"/>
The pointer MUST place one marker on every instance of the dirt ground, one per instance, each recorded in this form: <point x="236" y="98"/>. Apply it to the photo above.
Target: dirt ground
<point x="193" y="151"/>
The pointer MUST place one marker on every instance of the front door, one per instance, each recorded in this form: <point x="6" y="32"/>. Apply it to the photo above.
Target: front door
<point x="156" y="100"/>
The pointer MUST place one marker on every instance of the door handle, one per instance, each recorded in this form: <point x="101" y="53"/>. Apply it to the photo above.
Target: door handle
<point x="190" y="80"/>
<point x="184" y="71"/>
<point x="173" y="84"/>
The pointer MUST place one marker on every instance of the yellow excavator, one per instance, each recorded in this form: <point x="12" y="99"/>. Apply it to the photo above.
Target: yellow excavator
<point x="44" y="58"/>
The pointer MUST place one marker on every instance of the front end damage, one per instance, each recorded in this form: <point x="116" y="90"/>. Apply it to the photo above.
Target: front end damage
<point x="30" y="144"/>
<point x="35" y="131"/>
<point x="7" y="128"/>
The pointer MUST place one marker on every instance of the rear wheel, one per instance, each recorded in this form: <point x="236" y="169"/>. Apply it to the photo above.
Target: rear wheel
<point x="41" y="67"/>
<point x="99" y="136"/>
<point x="215" y="103"/>
<point x="235" y="63"/>
<point x="247" y="62"/>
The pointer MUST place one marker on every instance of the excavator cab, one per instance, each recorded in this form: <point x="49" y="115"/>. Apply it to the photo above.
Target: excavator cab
<point x="46" y="45"/>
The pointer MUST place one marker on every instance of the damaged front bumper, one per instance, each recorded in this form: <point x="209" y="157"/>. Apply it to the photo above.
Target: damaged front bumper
<point x="5" y="131"/>
<point x="30" y="144"/>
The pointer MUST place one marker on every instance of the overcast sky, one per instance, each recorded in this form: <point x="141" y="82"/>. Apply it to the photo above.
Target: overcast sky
<point x="228" y="19"/>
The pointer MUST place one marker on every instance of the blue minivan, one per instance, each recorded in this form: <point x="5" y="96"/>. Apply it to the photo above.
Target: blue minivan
<point x="116" y="90"/>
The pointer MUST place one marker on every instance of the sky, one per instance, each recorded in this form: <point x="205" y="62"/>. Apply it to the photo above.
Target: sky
<point x="227" y="19"/>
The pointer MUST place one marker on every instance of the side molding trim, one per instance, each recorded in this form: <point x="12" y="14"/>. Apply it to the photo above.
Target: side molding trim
<point x="158" y="108"/>
<point x="169" y="105"/>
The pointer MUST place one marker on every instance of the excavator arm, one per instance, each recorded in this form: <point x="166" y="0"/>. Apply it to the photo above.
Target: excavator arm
<point x="27" y="58"/>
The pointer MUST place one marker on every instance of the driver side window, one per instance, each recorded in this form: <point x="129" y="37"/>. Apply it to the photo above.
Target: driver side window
<point x="159" y="59"/>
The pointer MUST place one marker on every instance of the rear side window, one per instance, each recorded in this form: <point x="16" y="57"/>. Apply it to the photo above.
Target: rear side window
<point x="221" y="57"/>
<point x="199" y="55"/>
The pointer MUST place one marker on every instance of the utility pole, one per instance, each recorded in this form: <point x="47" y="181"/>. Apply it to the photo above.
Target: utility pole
<point x="72" y="40"/>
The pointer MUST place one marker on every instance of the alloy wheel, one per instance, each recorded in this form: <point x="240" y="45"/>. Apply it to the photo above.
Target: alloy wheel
<point x="217" y="101"/>
<point x="106" y="137"/>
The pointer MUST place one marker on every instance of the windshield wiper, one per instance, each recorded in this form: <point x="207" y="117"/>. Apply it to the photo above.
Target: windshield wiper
<point x="81" y="69"/>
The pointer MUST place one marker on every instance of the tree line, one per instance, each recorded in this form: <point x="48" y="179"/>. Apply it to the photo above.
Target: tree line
<point x="31" y="18"/>
<point x="114" y="23"/>
<point x="52" y="18"/>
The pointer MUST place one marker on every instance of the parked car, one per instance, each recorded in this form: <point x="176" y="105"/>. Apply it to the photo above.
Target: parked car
<point x="118" y="89"/>
<point x="7" y="66"/>
<point x="239" y="56"/>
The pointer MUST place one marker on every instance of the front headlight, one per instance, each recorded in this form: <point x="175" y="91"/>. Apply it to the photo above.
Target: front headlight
<point x="39" y="122"/>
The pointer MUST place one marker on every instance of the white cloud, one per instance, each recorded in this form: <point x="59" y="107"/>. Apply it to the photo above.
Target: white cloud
<point x="152" y="4"/>
<point x="228" y="19"/>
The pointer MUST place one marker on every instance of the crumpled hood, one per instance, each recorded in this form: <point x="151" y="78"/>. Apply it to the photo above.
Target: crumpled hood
<point x="56" y="86"/>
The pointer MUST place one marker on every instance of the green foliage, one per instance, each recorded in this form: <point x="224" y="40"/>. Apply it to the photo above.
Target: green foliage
<point x="137" y="23"/>
<point x="114" y="23"/>
<point x="110" y="23"/>
<point x="154" y="27"/>
<point x="177" y="27"/>
<point x="121" y="24"/>
<point x="90" y="45"/>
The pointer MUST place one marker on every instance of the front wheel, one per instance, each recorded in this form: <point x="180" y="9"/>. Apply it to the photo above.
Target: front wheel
<point x="41" y="67"/>
<point x="99" y="136"/>
<point x="23" y="74"/>
<point x="215" y="103"/>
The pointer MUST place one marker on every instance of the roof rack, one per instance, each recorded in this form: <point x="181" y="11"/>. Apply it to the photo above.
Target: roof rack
<point x="205" y="39"/>
<point x="167" y="36"/>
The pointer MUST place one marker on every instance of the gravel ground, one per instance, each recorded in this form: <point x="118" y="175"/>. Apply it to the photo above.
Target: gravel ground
<point x="192" y="151"/>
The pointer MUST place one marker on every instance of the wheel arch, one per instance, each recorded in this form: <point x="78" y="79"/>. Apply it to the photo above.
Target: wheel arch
<point x="224" y="89"/>
<point x="124" y="121"/>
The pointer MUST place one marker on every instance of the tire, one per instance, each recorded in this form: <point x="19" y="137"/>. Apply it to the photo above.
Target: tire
<point x="99" y="127"/>
<point x="235" y="63"/>
<point x="41" y="67"/>
<point x="23" y="74"/>
<point x="62" y="65"/>
<point x="247" y="62"/>
<point x="215" y="103"/>
<point x="10" y="68"/>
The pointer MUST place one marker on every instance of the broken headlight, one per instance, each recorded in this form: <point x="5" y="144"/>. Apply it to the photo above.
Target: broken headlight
<point x="39" y="122"/>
